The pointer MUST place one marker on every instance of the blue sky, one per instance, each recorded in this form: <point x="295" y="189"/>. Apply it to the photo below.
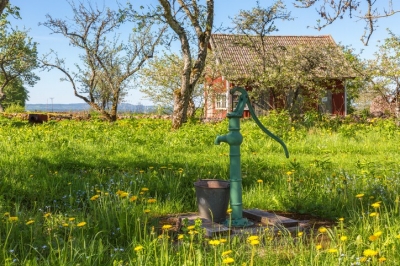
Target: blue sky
<point x="346" y="31"/>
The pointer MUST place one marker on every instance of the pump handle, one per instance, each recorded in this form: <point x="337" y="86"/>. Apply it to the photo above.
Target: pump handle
<point x="244" y="99"/>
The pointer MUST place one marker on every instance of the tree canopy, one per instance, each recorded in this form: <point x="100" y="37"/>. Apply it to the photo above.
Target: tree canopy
<point x="161" y="77"/>
<point x="279" y="68"/>
<point x="107" y="63"/>
<point x="18" y="58"/>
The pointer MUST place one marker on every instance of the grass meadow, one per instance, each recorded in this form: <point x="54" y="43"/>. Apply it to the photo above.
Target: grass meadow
<point x="92" y="193"/>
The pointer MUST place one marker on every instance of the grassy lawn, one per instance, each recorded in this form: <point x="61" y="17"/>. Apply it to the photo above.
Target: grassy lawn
<point x="90" y="193"/>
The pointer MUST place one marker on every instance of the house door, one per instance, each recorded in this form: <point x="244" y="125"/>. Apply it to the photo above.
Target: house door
<point x="338" y="104"/>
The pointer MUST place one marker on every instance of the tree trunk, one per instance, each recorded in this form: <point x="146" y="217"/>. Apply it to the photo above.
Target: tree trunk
<point x="2" y="97"/>
<point x="179" y="115"/>
<point x="191" y="111"/>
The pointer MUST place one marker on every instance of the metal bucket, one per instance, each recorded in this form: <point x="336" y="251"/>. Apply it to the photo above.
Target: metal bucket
<point x="212" y="199"/>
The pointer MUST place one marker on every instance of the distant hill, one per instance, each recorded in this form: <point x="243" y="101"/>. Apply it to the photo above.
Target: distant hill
<point x="76" y="107"/>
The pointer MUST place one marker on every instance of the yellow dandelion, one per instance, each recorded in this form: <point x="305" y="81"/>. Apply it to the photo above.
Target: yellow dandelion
<point x="322" y="230"/>
<point x="373" y="214"/>
<point x="372" y="238"/>
<point x="95" y="197"/>
<point x="29" y="222"/>
<point x="46" y="215"/>
<point x="166" y="227"/>
<point x="13" y="218"/>
<point x="223" y="240"/>
<point x="376" y="205"/>
<point x="250" y="238"/>
<point x="192" y="232"/>
<point x="151" y="201"/>
<point x="254" y="242"/>
<point x="382" y="259"/>
<point x="214" y="242"/>
<point x="359" y="196"/>
<point x="332" y="250"/>
<point x="144" y="189"/>
<point x="226" y="253"/>
<point x="65" y="225"/>
<point x="343" y="238"/>
<point x="341" y="219"/>
<point x="71" y="219"/>
<point x="138" y="248"/>
<point x="289" y="173"/>
<point x="370" y="253"/>
<point x="81" y="224"/>
<point x="180" y="236"/>
<point x="119" y="192"/>
<point x="6" y="214"/>
<point x="299" y="234"/>
<point x="260" y="181"/>
<point x="229" y="211"/>
<point x="228" y="260"/>
<point x="378" y="233"/>
<point x="133" y="198"/>
<point x="190" y="227"/>
<point x="318" y="247"/>
<point x="146" y="211"/>
<point x="123" y="194"/>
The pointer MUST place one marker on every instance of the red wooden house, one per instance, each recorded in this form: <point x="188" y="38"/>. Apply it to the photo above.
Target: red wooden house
<point x="237" y="61"/>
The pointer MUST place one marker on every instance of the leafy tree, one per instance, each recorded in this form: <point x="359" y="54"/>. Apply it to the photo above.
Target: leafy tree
<point x="18" y="58"/>
<point x="107" y="64"/>
<point x="196" y="22"/>
<point x="367" y="10"/>
<point x="161" y="77"/>
<point x="384" y="71"/>
<point x="16" y="94"/>
<point x="294" y="76"/>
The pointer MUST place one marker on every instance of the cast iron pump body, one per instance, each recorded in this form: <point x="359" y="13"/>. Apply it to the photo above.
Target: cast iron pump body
<point x="234" y="138"/>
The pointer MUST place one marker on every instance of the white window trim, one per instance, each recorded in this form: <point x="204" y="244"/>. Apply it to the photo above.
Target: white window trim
<point x="220" y="101"/>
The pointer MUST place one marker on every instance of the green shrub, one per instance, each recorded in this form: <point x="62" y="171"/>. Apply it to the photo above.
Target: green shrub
<point x="15" y="108"/>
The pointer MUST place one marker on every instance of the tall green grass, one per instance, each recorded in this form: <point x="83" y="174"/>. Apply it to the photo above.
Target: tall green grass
<point x="92" y="193"/>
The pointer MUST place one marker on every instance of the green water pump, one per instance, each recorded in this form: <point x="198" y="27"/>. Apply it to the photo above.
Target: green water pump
<point x="234" y="138"/>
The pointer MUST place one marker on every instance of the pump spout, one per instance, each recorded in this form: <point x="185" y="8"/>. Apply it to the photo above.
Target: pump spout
<point x="220" y="139"/>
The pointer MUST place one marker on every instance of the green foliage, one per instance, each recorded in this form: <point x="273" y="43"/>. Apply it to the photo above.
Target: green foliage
<point x="96" y="193"/>
<point x="16" y="94"/>
<point x="384" y="72"/>
<point x="291" y="76"/>
<point x="162" y="77"/>
<point x="15" y="108"/>
<point x="18" y="59"/>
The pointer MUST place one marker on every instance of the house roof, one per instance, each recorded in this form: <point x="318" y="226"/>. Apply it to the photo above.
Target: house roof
<point x="240" y="51"/>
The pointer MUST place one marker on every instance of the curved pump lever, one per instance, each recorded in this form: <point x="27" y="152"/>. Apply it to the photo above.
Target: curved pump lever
<point x="243" y="100"/>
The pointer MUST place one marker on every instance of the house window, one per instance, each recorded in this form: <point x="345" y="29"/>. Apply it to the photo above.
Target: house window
<point x="220" y="101"/>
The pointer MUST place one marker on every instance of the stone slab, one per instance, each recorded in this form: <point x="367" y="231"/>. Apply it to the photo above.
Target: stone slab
<point x="268" y="218"/>
<point x="263" y="220"/>
<point x="211" y="229"/>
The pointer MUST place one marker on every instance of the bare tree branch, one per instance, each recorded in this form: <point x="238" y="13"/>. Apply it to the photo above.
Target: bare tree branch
<point x="331" y="10"/>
